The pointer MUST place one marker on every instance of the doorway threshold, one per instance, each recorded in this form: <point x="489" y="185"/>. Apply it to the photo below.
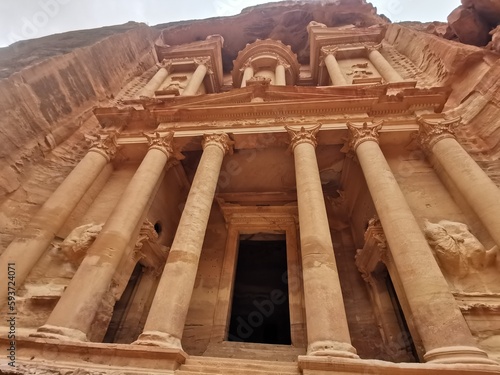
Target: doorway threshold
<point x="245" y="350"/>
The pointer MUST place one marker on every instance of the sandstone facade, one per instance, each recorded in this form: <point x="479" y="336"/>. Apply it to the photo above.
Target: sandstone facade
<point x="300" y="189"/>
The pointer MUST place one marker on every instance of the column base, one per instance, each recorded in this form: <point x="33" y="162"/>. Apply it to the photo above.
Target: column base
<point x="59" y="333"/>
<point x="459" y="354"/>
<point x="156" y="338"/>
<point x="332" y="349"/>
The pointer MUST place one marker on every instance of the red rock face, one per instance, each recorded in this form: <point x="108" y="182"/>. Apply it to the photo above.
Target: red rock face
<point x="489" y="10"/>
<point x="469" y="26"/>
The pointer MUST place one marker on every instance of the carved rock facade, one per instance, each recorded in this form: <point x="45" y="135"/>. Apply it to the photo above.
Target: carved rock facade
<point x="263" y="186"/>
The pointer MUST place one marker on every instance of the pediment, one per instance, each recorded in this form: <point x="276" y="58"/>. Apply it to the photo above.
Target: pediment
<point x="278" y="102"/>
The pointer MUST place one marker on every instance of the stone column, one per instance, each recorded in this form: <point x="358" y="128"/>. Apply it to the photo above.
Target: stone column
<point x="155" y="82"/>
<point x="480" y="192"/>
<point x="434" y="312"/>
<point x="198" y="76"/>
<point x="333" y="67"/>
<point x="167" y="316"/>
<point x="247" y="74"/>
<point x="327" y="330"/>
<point x="27" y="249"/>
<point x="74" y="313"/>
<point x="280" y="74"/>
<point x="382" y="65"/>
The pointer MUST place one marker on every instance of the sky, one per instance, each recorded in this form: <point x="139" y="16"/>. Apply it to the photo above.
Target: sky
<point x="28" y="19"/>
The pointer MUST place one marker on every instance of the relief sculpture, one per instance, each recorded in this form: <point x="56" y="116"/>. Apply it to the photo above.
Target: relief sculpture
<point x="457" y="250"/>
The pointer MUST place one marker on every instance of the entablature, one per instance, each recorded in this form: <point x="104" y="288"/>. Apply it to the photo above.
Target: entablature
<point x="236" y="109"/>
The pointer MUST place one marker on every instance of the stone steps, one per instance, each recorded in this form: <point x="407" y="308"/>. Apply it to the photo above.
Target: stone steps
<point x="231" y="366"/>
<point x="265" y="352"/>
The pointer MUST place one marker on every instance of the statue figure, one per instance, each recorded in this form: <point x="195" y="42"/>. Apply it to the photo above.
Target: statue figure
<point x="458" y="251"/>
<point x="79" y="240"/>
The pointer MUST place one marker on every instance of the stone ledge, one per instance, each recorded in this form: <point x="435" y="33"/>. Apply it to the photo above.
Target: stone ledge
<point x="98" y="355"/>
<point x="325" y="365"/>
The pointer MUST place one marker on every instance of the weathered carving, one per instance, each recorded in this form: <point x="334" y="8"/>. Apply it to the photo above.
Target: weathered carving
<point x="359" y="135"/>
<point x="431" y="133"/>
<point x="329" y="50"/>
<point x="303" y="136"/>
<point x="161" y="142"/>
<point x="207" y="61"/>
<point x="165" y="64"/>
<point x="75" y="246"/>
<point x="360" y="71"/>
<point x="104" y="143"/>
<point x="34" y="369"/>
<point x="372" y="47"/>
<point x="147" y="233"/>
<point x="220" y="140"/>
<point x="458" y="251"/>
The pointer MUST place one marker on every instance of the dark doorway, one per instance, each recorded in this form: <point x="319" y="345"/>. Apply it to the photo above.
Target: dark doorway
<point x="260" y="310"/>
<point x="122" y="305"/>
<point x="404" y="342"/>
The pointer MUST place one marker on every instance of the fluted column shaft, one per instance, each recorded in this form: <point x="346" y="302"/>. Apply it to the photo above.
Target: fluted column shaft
<point x="280" y="74"/>
<point x="154" y="83"/>
<point x="334" y="70"/>
<point x="434" y="311"/>
<point x="26" y="250"/>
<point x="247" y="74"/>
<point x="327" y="330"/>
<point x="196" y="80"/>
<point x="74" y="313"/>
<point x="382" y="65"/>
<point x="480" y="192"/>
<point x="167" y="316"/>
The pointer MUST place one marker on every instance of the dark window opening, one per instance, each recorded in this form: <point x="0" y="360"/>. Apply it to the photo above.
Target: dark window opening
<point x="158" y="228"/>
<point x="260" y="310"/>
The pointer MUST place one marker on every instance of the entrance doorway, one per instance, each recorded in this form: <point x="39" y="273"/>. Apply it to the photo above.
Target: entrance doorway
<point x="260" y="307"/>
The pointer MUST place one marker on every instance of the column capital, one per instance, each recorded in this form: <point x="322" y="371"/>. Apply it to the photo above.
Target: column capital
<point x="247" y="64"/>
<point x="303" y="136"/>
<point x="431" y="132"/>
<point x="283" y="62"/>
<point x="104" y="143"/>
<point x="206" y="61"/>
<point x="373" y="47"/>
<point x="165" y="64"/>
<point x="220" y="140"/>
<point x="164" y="143"/>
<point x="359" y="135"/>
<point x="329" y="50"/>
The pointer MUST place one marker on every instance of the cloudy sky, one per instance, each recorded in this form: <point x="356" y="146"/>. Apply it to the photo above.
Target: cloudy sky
<point x="27" y="19"/>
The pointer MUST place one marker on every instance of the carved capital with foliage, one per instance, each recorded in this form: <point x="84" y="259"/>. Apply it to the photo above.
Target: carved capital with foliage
<point x="220" y="140"/>
<point x="303" y="135"/>
<point x="359" y="135"/>
<point x="162" y="142"/>
<point x="205" y="60"/>
<point x="431" y="133"/>
<point x="104" y="143"/>
<point x="373" y="47"/>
